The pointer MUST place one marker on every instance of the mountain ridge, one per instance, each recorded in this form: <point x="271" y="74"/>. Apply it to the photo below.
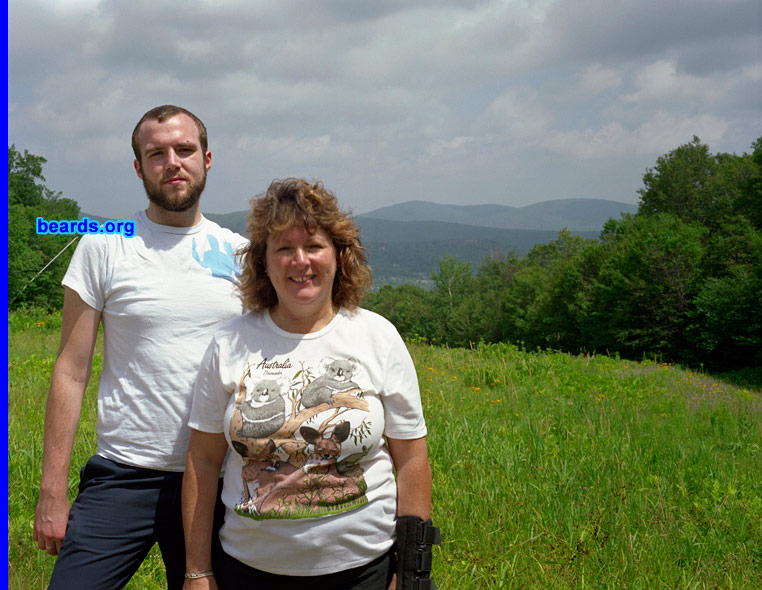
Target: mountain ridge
<point x="578" y="214"/>
<point x="405" y="242"/>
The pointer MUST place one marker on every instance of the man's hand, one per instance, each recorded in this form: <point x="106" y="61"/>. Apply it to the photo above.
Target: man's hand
<point x="50" y="518"/>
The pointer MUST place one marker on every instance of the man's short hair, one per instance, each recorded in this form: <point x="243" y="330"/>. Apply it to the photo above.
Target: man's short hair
<point x="163" y="113"/>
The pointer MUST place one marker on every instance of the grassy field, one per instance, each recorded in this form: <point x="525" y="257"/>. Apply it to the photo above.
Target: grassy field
<point x="550" y="470"/>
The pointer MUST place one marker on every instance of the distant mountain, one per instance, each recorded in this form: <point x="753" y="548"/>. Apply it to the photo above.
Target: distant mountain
<point x="573" y="214"/>
<point x="406" y="232"/>
<point x="409" y="251"/>
<point x="577" y="215"/>
<point x="235" y="221"/>
<point x="98" y="218"/>
<point x="406" y="241"/>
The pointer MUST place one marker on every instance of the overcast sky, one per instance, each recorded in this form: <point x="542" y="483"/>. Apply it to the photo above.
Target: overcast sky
<point x="451" y="101"/>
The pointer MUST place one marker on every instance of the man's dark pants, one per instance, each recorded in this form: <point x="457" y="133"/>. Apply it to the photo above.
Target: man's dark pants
<point x="120" y="512"/>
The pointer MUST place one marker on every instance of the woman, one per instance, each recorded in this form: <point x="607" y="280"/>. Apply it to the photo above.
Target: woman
<point x="318" y="402"/>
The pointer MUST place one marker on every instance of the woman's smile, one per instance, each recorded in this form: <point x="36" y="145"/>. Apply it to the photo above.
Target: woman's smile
<point x="301" y="267"/>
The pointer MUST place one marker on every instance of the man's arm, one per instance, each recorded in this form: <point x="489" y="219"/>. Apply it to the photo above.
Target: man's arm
<point x="71" y="373"/>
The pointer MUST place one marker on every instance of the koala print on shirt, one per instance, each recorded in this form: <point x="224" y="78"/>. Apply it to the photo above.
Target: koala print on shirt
<point x="336" y="378"/>
<point x="263" y="410"/>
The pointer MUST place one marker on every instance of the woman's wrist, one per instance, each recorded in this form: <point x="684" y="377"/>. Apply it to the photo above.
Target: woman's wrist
<point x="199" y="574"/>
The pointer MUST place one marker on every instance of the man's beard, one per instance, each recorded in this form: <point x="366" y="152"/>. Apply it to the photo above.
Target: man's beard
<point x="158" y="196"/>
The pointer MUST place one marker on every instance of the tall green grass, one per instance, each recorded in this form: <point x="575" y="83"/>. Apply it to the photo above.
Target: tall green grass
<point x="559" y="471"/>
<point x="550" y="470"/>
<point x="33" y="338"/>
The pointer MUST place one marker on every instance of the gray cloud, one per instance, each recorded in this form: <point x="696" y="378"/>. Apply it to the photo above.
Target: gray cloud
<point x="453" y="101"/>
<point x="602" y="30"/>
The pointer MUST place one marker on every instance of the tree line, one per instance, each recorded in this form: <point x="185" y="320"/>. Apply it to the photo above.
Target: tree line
<point x="29" y="253"/>
<point x="680" y="280"/>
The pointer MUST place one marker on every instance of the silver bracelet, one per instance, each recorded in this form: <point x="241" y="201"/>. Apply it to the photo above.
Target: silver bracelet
<point x="197" y="575"/>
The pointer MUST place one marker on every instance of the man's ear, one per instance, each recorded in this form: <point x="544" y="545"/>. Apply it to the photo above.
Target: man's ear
<point x="208" y="160"/>
<point x="138" y="170"/>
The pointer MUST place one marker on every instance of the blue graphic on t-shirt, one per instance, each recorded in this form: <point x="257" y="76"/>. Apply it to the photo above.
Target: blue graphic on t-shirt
<point x="222" y="264"/>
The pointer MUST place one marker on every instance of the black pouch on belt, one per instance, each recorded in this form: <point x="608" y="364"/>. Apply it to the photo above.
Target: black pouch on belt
<point x="414" y="540"/>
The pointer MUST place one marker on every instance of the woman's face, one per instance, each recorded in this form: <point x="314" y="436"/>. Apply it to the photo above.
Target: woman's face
<point x="301" y="267"/>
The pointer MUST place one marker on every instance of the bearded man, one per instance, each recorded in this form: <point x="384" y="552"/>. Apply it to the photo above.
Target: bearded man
<point x="159" y="296"/>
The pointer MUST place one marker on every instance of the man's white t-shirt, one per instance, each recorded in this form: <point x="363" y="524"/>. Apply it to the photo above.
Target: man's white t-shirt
<point x="309" y="486"/>
<point x="162" y="294"/>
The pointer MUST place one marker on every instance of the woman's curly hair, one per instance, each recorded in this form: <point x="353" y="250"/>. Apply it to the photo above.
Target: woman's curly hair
<point x="288" y="203"/>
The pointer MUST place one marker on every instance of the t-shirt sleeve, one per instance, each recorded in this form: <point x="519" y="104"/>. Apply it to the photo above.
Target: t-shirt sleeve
<point x="210" y="397"/>
<point x="401" y="396"/>
<point x="85" y="274"/>
<point x="240" y="241"/>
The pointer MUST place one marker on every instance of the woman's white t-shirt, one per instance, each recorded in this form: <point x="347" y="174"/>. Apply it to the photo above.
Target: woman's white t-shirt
<point x="309" y="486"/>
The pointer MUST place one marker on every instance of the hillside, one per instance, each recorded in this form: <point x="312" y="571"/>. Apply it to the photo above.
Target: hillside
<point x="406" y="241"/>
<point x="573" y="214"/>
<point x="613" y="469"/>
<point x="576" y="215"/>
<point x="408" y="252"/>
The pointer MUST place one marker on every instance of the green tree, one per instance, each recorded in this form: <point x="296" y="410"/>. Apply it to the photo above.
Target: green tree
<point x="749" y="202"/>
<point x="24" y="172"/>
<point x="569" y="300"/>
<point x="642" y="296"/>
<point x="409" y="307"/>
<point x="722" y="193"/>
<point x="494" y="280"/>
<point x="543" y="306"/>
<point x="681" y="279"/>
<point x="696" y="186"/>
<point x="728" y="319"/>
<point x="28" y="252"/>
<point x="566" y="246"/>
<point x="457" y="322"/>
<point x="736" y="243"/>
<point x="521" y="305"/>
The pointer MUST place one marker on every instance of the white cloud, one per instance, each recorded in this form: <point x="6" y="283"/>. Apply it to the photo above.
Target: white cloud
<point x="661" y="81"/>
<point x="597" y="78"/>
<point x="753" y="72"/>
<point x="437" y="148"/>
<point x="659" y="135"/>
<point x="517" y="114"/>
